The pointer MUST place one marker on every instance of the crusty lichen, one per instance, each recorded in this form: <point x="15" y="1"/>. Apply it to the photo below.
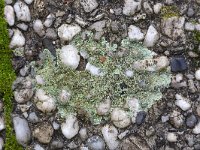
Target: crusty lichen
<point x="87" y="90"/>
<point x="169" y="11"/>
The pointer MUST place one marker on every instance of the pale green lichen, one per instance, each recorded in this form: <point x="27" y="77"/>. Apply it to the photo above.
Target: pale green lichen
<point x="87" y="90"/>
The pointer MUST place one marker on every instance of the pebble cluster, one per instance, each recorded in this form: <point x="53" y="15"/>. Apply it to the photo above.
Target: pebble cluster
<point x="172" y="123"/>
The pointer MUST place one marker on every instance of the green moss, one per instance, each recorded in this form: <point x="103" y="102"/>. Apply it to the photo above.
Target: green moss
<point x="196" y="36"/>
<point x="7" y="76"/>
<point x="169" y="11"/>
<point x="87" y="90"/>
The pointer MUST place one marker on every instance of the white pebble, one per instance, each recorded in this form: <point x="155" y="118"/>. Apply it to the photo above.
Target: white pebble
<point x="171" y="137"/>
<point x="2" y="123"/>
<point x="22" y="130"/>
<point x="151" y="37"/>
<point x="189" y="26"/>
<point x="197" y="74"/>
<point x="182" y="102"/>
<point x="38" y="147"/>
<point x="22" y="26"/>
<point x="70" y="127"/>
<point x="134" y="33"/>
<point x="56" y="126"/>
<point x="44" y="102"/>
<point x="83" y="133"/>
<point x="94" y="70"/>
<point x="197" y="27"/>
<point x="120" y="118"/>
<point x="131" y="7"/>
<point x="157" y="7"/>
<point x="64" y="96"/>
<point x="23" y="95"/>
<point x="196" y="129"/>
<point x="22" y="11"/>
<point x="38" y="27"/>
<point x="1" y="143"/>
<point x="104" y="107"/>
<point x="110" y="136"/>
<point x="17" y="40"/>
<point x="67" y="32"/>
<point x="39" y="79"/>
<point x="9" y="15"/>
<point x="28" y="1"/>
<point x="179" y="77"/>
<point x="129" y="73"/>
<point x="69" y="56"/>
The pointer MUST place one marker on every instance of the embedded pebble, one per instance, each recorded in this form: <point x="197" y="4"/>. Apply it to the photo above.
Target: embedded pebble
<point x="151" y="37"/>
<point x="69" y="56"/>
<point x="38" y="27"/>
<point x="49" y="20"/>
<point x="131" y="7"/>
<point x="64" y="96"/>
<point x="8" y="2"/>
<point x="171" y="137"/>
<point x="189" y="26"/>
<point x="182" y="102"/>
<point x="147" y="8"/>
<point x="191" y="121"/>
<point x="24" y="95"/>
<point x="134" y="33"/>
<point x="22" y="11"/>
<point x="9" y="15"/>
<point x="56" y="126"/>
<point x="22" y="26"/>
<point x="70" y="127"/>
<point x="1" y="143"/>
<point x="44" y="102"/>
<point x="140" y="118"/>
<point x="57" y="144"/>
<point x="51" y="34"/>
<point x="89" y="5"/>
<point x="22" y="130"/>
<point x="120" y="118"/>
<point x="83" y="133"/>
<point x="110" y="136"/>
<point x="197" y="74"/>
<point x="43" y="133"/>
<point x="28" y="1"/>
<point x="39" y="80"/>
<point x="104" y="107"/>
<point x="33" y="117"/>
<point x="157" y="7"/>
<point x="67" y="32"/>
<point x="176" y="119"/>
<point x="178" y="64"/>
<point x="17" y="40"/>
<point x="38" y="147"/>
<point x="94" y="70"/>
<point x="96" y="143"/>
<point x="2" y="123"/>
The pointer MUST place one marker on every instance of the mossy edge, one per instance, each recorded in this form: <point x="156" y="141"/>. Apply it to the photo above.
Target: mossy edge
<point x="7" y="76"/>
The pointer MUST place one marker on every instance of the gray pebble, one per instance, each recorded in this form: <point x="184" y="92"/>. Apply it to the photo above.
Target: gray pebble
<point x="96" y="143"/>
<point x="191" y="121"/>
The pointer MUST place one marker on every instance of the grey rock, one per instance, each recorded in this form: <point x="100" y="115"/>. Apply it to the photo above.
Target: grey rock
<point x="22" y="130"/>
<point x="9" y="15"/>
<point x="176" y="119"/>
<point x="115" y="26"/>
<point x="140" y="118"/>
<point x="38" y="27"/>
<point x="24" y="95"/>
<point x="135" y="33"/>
<point x="57" y="144"/>
<point x="189" y="26"/>
<point x="131" y="7"/>
<point x="151" y="37"/>
<point x="1" y="143"/>
<point x="17" y="40"/>
<point x="147" y="8"/>
<point x="98" y="26"/>
<point x="8" y="2"/>
<point x="51" y="34"/>
<point x="49" y="20"/>
<point x="43" y="132"/>
<point x="33" y="117"/>
<point x="96" y="143"/>
<point x="190" y="12"/>
<point x="191" y="121"/>
<point x="22" y="11"/>
<point x="117" y="11"/>
<point x="38" y="147"/>
<point x="89" y="5"/>
<point x="22" y="26"/>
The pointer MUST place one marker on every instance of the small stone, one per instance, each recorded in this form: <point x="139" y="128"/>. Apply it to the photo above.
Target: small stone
<point x="70" y="127"/>
<point x="189" y="26"/>
<point x="171" y="137"/>
<point x="22" y="26"/>
<point x="89" y="5"/>
<point x="120" y="118"/>
<point x="197" y="27"/>
<point x="182" y="102"/>
<point x="38" y="147"/>
<point x="44" y="102"/>
<point x="147" y="8"/>
<point x="176" y="119"/>
<point x="197" y="74"/>
<point x="22" y="11"/>
<point x="51" y="34"/>
<point x="110" y="136"/>
<point x="69" y="56"/>
<point x="191" y="121"/>
<point x="1" y="143"/>
<point x="96" y="143"/>
<point x="28" y="1"/>
<point x="179" y="77"/>
<point x="17" y="40"/>
<point x="178" y="64"/>
<point x="9" y="15"/>
<point x="24" y="95"/>
<point x="72" y="145"/>
<point x="38" y="27"/>
<point x="165" y="118"/>
<point x="33" y="117"/>
<point x="43" y="132"/>
<point x="80" y="21"/>
<point x="56" y="126"/>
<point x="134" y="33"/>
<point x="57" y="144"/>
<point x="196" y="129"/>
<point x="131" y="7"/>
<point x="67" y="32"/>
<point x="98" y="26"/>
<point x="115" y="26"/>
<point x="94" y="70"/>
<point x="190" y="12"/>
<point x="49" y="20"/>
<point x="140" y="118"/>
<point x="39" y="80"/>
<point x="151" y="37"/>
<point x="2" y="123"/>
<point x="64" y="96"/>
<point x="104" y="107"/>
<point x="83" y="133"/>
<point x="150" y="132"/>
<point x="8" y="2"/>
<point x="157" y="7"/>
<point x="22" y="130"/>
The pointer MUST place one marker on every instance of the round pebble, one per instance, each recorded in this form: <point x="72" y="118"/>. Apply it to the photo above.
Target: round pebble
<point x="191" y="121"/>
<point x="96" y="143"/>
<point x="197" y="74"/>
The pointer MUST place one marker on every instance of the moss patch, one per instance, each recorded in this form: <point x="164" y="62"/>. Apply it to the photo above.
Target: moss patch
<point x="87" y="90"/>
<point x="7" y="76"/>
<point x="169" y="11"/>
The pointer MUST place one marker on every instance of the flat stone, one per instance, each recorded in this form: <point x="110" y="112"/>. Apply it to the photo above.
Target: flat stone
<point x="178" y="64"/>
<point x="140" y="118"/>
<point x="191" y="121"/>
